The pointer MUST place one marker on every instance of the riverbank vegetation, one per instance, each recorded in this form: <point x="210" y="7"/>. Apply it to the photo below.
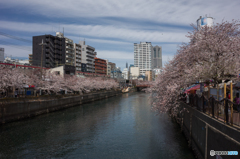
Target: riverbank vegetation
<point x="51" y="83"/>
<point x="212" y="55"/>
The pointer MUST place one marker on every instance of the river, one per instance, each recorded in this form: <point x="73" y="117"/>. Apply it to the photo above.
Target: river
<point x="121" y="127"/>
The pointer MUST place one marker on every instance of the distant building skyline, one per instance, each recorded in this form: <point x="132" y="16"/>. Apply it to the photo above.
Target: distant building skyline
<point x="147" y="57"/>
<point x="143" y="56"/>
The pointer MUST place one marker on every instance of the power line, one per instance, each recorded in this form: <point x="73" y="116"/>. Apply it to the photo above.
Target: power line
<point x="15" y="37"/>
<point x="14" y="45"/>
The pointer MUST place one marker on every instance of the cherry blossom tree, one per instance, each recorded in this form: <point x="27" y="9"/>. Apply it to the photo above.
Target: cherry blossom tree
<point x="51" y="82"/>
<point x="212" y="53"/>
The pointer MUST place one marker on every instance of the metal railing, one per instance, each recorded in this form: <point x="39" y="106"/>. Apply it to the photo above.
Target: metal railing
<point x="218" y="109"/>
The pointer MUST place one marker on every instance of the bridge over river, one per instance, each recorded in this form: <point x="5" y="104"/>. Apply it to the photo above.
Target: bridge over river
<point x="119" y="127"/>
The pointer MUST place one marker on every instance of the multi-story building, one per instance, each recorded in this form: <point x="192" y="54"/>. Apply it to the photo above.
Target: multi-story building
<point x="78" y="54"/>
<point x="52" y="54"/>
<point x="135" y="72"/>
<point x="157" y="57"/>
<point x="143" y="56"/>
<point x="149" y="75"/>
<point x="116" y="73"/>
<point x="54" y="51"/>
<point x="100" y="66"/>
<point x="1" y="54"/>
<point x="147" y="57"/>
<point x="108" y="68"/>
<point x="88" y="55"/>
<point x="113" y="66"/>
<point x="125" y="73"/>
<point x="70" y="52"/>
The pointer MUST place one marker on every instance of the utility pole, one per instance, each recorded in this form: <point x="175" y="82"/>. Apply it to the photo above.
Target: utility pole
<point x="42" y="55"/>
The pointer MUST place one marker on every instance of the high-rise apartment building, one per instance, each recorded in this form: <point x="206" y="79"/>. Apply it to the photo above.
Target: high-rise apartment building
<point x="78" y="54"/>
<point x="147" y="57"/>
<point x="157" y="57"/>
<point x="143" y="56"/>
<point x="56" y="51"/>
<point x="52" y="54"/>
<point x="88" y="55"/>
<point x="1" y="54"/>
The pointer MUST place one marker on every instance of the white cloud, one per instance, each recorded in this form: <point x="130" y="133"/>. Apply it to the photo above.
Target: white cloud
<point x="99" y="31"/>
<point x="166" y="11"/>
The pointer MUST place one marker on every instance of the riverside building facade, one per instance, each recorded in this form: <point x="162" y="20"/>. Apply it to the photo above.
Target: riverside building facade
<point x="147" y="57"/>
<point x="100" y="66"/>
<point x="143" y="56"/>
<point x="88" y="55"/>
<point x="56" y="51"/>
<point x="53" y="52"/>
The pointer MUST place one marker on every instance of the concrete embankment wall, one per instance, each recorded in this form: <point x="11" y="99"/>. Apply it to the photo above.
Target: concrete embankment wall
<point x="20" y="108"/>
<point x="205" y="133"/>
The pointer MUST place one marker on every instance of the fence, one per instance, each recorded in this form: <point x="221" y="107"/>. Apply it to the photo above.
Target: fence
<point x="220" y="110"/>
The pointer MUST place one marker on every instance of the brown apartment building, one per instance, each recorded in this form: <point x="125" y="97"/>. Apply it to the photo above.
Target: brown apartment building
<point x="100" y="66"/>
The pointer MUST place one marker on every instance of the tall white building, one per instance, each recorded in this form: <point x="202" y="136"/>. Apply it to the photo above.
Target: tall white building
<point x="125" y="73"/>
<point x="88" y="54"/>
<point x="143" y="56"/>
<point x="147" y="57"/>
<point x="1" y="54"/>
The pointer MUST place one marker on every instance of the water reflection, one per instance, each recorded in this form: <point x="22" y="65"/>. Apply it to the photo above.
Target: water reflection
<point x="118" y="127"/>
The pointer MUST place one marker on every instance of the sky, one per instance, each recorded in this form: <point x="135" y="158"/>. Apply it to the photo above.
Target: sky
<point x="110" y="26"/>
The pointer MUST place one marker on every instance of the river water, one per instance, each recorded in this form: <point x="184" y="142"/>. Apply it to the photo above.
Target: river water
<point x="121" y="127"/>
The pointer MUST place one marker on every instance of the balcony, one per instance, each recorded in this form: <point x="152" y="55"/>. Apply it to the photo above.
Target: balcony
<point x="69" y="47"/>
<point x="90" y="66"/>
<point x="90" y="47"/>
<point x="77" y="56"/>
<point x="90" y="55"/>
<point x="69" y="52"/>
<point x="90" y="70"/>
<point x="69" y="41"/>
<point x="78" y="68"/>
<point x="78" y="52"/>
<point x="89" y="51"/>
<point x="57" y="46"/>
<point x="78" y="48"/>
<point x="78" y="65"/>
<point x="70" y="57"/>
<point x="78" y="60"/>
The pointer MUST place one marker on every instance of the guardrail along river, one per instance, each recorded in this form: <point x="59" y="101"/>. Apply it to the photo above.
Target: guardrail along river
<point x="119" y="127"/>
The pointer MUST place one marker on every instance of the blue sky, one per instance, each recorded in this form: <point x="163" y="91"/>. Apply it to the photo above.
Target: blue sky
<point x="108" y="25"/>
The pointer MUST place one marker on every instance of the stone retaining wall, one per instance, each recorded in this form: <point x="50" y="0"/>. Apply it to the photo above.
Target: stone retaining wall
<point x="16" y="109"/>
